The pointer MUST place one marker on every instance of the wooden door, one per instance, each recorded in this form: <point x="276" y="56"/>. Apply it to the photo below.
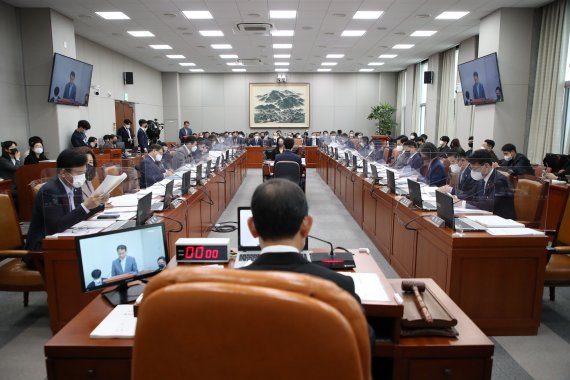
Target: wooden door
<point x="124" y="110"/>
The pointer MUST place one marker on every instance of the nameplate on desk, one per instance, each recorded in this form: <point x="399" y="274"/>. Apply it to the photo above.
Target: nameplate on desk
<point x="436" y="221"/>
<point x="385" y="190"/>
<point x="406" y="202"/>
<point x="175" y="203"/>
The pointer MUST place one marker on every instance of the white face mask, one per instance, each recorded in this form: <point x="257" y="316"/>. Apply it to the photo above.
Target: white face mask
<point x="38" y="150"/>
<point x="441" y="143"/>
<point x="482" y="147"/>
<point x="455" y="168"/>
<point x="193" y="149"/>
<point x="507" y="158"/>
<point x="78" y="180"/>
<point x="158" y="157"/>
<point x="477" y="176"/>
<point x="399" y="148"/>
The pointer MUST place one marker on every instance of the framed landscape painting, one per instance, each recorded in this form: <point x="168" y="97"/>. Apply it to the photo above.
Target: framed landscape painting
<point x="279" y="105"/>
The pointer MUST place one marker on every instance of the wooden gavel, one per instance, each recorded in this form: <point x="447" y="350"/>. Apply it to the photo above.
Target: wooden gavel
<point x="418" y="287"/>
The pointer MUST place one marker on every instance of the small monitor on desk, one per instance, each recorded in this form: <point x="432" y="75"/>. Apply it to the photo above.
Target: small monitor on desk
<point x="391" y="180"/>
<point x="118" y="257"/>
<point x="144" y="211"/>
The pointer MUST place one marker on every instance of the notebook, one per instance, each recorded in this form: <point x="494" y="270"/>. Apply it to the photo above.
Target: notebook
<point x="445" y="211"/>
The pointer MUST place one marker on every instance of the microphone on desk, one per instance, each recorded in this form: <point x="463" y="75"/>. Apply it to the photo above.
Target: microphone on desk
<point x="333" y="260"/>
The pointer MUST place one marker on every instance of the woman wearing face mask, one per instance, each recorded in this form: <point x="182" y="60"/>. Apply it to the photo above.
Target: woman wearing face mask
<point x="9" y="162"/>
<point x="91" y="179"/>
<point x="92" y="142"/>
<point x="433" y="167"/>
<point x="36" y="151"/>
<point x="280" y="148"/>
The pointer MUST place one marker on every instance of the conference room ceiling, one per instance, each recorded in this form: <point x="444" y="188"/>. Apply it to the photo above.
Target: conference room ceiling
<point x="317" y="29"/>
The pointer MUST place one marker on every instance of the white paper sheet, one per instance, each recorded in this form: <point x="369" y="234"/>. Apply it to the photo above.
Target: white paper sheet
<point x="514" y="231"/>
<point x="120" y="323"/>
<point x="494" y="221"/>
<point x="124" y="200"/>
<point x="368" y="286"/>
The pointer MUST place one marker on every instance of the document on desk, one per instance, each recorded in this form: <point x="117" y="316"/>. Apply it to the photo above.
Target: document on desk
<point x="120" y="323"/>
<point x="368" y="286"/>
<point x="124" y="200"/>
<point x="94" y="224"/>
<point x="494" y="221"/>
<point x="514" y="231"/>
<point x="109" y="184"/>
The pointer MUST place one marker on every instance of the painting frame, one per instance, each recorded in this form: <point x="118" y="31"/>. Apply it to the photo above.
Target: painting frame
<point x="269" y="109"/>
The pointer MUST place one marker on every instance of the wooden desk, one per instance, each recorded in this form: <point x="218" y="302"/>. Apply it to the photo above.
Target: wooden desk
<point x="197" y="214"/>
<point x="71" y="354"/>
<point x="256" y="155"/>
<point x="497" y="281"/>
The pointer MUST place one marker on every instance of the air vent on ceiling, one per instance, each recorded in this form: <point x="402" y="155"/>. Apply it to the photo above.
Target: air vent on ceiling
<point x="254" y="28"/>
<point x="249" y="62"/>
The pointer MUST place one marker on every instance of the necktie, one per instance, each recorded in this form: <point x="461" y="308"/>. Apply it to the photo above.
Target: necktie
<point x="71" y="201"/>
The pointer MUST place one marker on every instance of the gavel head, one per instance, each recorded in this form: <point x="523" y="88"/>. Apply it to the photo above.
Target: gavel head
<point x="408" y="286"/>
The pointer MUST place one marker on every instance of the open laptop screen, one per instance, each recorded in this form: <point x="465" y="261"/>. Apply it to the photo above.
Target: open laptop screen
<point x="445" y="208"/>
<point x="415" y="193"/>
<point x="391" y="180"/>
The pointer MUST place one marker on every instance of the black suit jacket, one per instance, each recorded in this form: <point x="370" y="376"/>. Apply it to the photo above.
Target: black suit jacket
<point x="520" y="165"/>
<point x="466" y="185"/>
<point x="416" y="162"/>
<point x="497" y="196"/>
<point x="125" y="136"/>
<point x="78" y="139"/>
<point x="287" y="155"/>
<point x="52" y="214"/>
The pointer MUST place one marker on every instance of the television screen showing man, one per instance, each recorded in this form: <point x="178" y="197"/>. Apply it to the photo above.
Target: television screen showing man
<point x="124" y="264"/>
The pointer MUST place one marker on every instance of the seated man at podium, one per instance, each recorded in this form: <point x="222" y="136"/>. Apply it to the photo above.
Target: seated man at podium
<point x="281" y="221"/>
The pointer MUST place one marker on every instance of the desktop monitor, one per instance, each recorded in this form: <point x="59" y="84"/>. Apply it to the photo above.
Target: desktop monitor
<point x="227" y="156"/>
<point x="144" y="212"/>
<point x="168" y="194"/>
<point x="391" y="180"/>
<point x="346" y="158"/>
<point x="445" y="211"/>
<point x="186" y="176"/>
<point x="336" y="154"/>
<point x="374" y="173"/>
<point x="118" y="257"/>
<point x="198" y="174"/>
<point x="70" y="81"/>
<point x="365" y="168"/>
<point x="354" y="161"/>
<point x="208" y="168"/>
<point x="415" y="192"/>
<point x="217" y="165"/>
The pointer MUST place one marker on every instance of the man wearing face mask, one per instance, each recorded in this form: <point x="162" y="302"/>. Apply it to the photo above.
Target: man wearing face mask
<point x="59" y="203"/>
<point x="255" y="141"/>
<point x="142" y="137"/>
<point x="493" y="191"/>
<point x="415" y="161"/>
<point x="9" y="163"/>
<point x="151" y="171"/>
<point x="183" y="155"/>
<point x="515" y="163"/>
<point x="470" y="144"/>
<point x="403" y="154"/>
<point x="464" y="185"/>
<point x="444" y="145"/>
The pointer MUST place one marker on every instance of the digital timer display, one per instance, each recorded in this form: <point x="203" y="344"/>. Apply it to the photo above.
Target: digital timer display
<point x="213" y="250"/>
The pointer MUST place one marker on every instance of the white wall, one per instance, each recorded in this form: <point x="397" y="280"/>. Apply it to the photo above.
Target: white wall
<point x="432" y="98"/>
<point x="108" y="68"/>
<point x="219" y="102"/>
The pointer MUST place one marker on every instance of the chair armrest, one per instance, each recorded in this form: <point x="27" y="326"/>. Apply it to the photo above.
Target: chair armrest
<point x="13" y="253"/>
<point x="561" y="250"/>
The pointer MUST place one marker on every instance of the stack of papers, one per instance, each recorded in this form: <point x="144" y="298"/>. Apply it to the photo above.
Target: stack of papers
<point x="514" y="231"/>
<point x="494" y="221"/>
<point x="120" y="323"/>
<point x="109" y="184"/>
<point x="368" y="286"/>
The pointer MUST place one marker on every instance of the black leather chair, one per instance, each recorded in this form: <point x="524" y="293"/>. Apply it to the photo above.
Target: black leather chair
<point x="289" y="170"/>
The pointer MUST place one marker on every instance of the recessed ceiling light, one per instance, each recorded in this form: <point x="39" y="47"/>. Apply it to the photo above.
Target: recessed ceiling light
<point x="281" y="63"/>
<point x="221" y="46"/>
<point x="329" y="64"/>
<point x="161" y="47"/>
<point x="282" y="14"/>
<point x="306" y="27"/>
<point x="228" y="56"/>
<point x="367" y="15"/>
<point x="451" y="15"/>
<point x="140" y="33"/>
<point x="171" y="15"/>
<point x="175" y="56"/>
<point x="282" y="33"/>
<point x="196" y="70"/>
<point x="423" y="33"/>
<point x="234" y="64"/>
<point x="187" y="64"/>
<point x="239" y="70"/>
<point x="335" y="56"/>
<point x="353" y="33"/>
<point x="366" y="70"/>
<point x="211" y="33"/>
<point x="281" y="70"/>
<point x="281" y="55"/>
<point x="375" y="63"/>
<point x="282" y="46"/>
<point x="197" y="15"/>
<point x="388" y="56"/>
<point x="403" y="46"/>
<point x="113" y="15"/>
<point x="323" y="70"/>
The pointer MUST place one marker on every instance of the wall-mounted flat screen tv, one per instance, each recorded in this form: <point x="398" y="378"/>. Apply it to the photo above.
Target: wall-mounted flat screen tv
<point x="480" y="81"/>
<point x="70" y="81"/>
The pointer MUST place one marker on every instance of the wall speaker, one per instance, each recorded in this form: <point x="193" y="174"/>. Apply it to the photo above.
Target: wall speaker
<point x="428" y="77"/>
<point x="128" y="77"/>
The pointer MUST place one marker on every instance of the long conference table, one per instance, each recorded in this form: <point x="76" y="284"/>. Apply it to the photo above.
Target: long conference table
<point x="497" y="281"/>
<point x="195" y="215"/>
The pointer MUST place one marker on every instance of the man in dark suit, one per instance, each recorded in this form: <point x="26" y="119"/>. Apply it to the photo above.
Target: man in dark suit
<point x="70" y="88"/>
<point x="415" y="162"/>
<point x="256" y="140"/>
<point x="123" y="264"/>
<point x="494" y="192"/>
<point x="281" y="220"/>
<point x="288" y="155"/>
<point x="142" y="137"/>
<point x="78" y="137"/>
<point x="59" y="203"/>
<point x="465" y="185"/>
<point x="125" y="134"/>
<point x="185" y="131"/>
<point x="478" y="90"/>
<point x="515" y="163"/>
<point x="444" y="145"/>
<point x="151" y="170"/>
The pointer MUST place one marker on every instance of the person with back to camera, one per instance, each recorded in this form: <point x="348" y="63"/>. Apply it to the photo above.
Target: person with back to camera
<point x="281" y="221"/>
<point x="55" y="98"/>
<point x="124" y="263"/>
<point x="59" y="203"/>
<point x="97" y="279"/>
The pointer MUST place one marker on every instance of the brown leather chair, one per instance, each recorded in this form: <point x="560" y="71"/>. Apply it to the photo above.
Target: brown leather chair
<point x="558" y="266"/>
<point x="530" y="197"/>
<point x="207" y="323"/>
<point x="35" y="187"/>
<point x="14" y="275"/>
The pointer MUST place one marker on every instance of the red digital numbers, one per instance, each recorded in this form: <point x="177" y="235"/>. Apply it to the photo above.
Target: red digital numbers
<point x="201" y="253"/>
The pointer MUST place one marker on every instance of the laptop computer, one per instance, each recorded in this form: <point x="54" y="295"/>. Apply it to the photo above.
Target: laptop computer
<point x="445" y="211"/>
<point x="336" y="154"/>
<point x="208" y="168"/>
<point x="198" y="178"/>
<point x="416" y="196"/>
<point x="391" y="183"/>
<point x="354" y="161"/>
<point x="186" y="178"/>
<point x="346" y="159"/>
<point x="217" y="164"/>
<point x="365" y="168"/>
<point x="168" y="191"/>
<point x="248" y="246"/>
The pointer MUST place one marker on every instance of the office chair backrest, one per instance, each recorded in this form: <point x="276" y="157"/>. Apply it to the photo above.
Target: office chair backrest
<point x="563" y="231"/>
<point x="530" y="196"/>
<point x="204" y="323"/>
<point x="11" y="236"/>
<point x="288" y="170"/>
